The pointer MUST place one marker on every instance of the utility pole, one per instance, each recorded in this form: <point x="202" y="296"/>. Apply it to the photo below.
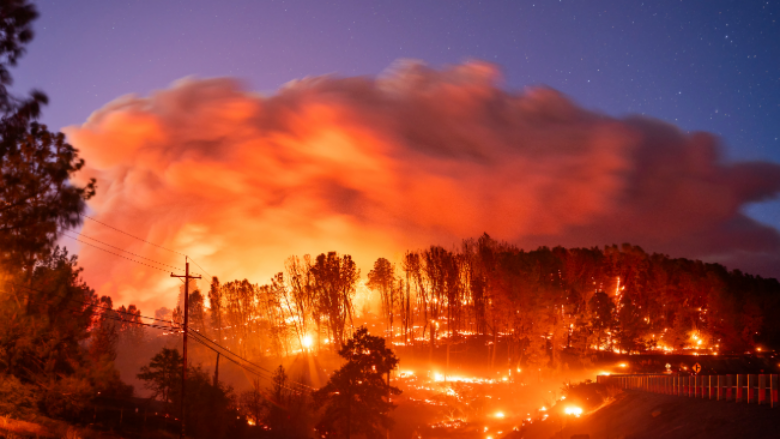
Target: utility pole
<point x="187" y="278"/>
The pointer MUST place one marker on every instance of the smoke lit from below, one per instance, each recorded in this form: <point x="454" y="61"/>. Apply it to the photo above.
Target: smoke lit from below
<point x="373" y="166"/>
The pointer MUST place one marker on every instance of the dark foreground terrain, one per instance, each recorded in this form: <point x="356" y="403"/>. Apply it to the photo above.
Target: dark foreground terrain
<point x="639" y="415"/>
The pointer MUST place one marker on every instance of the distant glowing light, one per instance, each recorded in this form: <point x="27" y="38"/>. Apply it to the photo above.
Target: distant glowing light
<point x="623" y="365"/>
<point x="307" y="341"/>
<point x="576" y="411"/>
<point x="500" y="415"/>
<point x="544" y="409"/>
<point x="605" y="373"/>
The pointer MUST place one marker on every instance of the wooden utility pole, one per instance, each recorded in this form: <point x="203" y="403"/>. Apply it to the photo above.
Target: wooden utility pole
<point x="216" y="372"/>
<point x="187" y="278"/>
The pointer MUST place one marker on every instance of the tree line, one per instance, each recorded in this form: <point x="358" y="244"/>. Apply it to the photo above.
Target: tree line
<point x="539" y="302"/>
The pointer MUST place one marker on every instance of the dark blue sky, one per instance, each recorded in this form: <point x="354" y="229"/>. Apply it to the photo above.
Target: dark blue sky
<point x="702" y="64"/>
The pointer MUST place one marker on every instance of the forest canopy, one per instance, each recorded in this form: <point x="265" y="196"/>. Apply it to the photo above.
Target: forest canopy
<point x="616" y="298"/>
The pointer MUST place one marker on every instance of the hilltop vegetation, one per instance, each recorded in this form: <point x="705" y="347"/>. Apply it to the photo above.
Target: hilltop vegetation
<point x="538" y="302"/>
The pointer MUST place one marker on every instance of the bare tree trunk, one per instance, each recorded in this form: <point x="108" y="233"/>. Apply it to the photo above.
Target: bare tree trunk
<point x="408" y="312"/>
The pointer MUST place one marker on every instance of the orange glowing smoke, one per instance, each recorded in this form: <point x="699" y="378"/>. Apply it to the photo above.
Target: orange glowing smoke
<point x="375" y="166"/>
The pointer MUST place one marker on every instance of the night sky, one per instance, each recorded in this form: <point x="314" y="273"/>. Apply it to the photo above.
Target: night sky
<point x="703" y="65"/>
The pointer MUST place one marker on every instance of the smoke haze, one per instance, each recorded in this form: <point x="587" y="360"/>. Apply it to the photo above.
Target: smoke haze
<point x="375" y="166"/>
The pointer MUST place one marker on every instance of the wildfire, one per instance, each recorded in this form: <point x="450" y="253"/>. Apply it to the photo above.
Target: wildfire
<point x="437" y="377"/>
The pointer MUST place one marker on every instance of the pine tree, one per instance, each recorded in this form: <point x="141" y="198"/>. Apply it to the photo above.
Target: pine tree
<point x="357" y="396"/>
<point x="163" y="374"/>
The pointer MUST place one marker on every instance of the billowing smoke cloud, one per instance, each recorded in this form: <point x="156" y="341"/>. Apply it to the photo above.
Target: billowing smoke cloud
<point x="375" y="166"/>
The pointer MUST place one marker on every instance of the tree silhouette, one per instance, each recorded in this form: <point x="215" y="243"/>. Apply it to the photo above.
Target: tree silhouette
<point x="163" y="374"/>
<point x="43" y="328"/>
<point x="357" y="396"/>
<point x="252" y="402"/>
<point x="105" y="332"/>
<point x="601" y="314"/>
<point x="38" y="197"/>
<point x="382" y="280"/>
<point x="334" y="281"/>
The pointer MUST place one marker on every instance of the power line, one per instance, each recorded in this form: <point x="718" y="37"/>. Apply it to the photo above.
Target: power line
<point x="133" y="236"/>
<point x="165" y="328"/>
<point x="122" y="250"/>
<point x="253" y="370"/>
<point x="203" y="340"/>
<point x="94" y="305"/>
<point x="142" y="240"/>
<point x="117" y="254"/>
<point x="233" y="353"/>
<point x="244" y="359"/>
<point x="209" y="274"/>
<point x="124" y="312"/>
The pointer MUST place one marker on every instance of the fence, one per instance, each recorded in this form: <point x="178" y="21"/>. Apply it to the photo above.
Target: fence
<point x="752" y="389"/>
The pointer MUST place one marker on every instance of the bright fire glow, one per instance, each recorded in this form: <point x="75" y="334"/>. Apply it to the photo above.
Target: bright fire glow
<point x="459" y="379"/>
<point x="500" y="415"/>
<point x="576" y="411"/>
<point x="307" y="341"/>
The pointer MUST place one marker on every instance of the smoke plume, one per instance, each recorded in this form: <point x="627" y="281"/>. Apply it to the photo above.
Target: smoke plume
<point x="374" y="166"/>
